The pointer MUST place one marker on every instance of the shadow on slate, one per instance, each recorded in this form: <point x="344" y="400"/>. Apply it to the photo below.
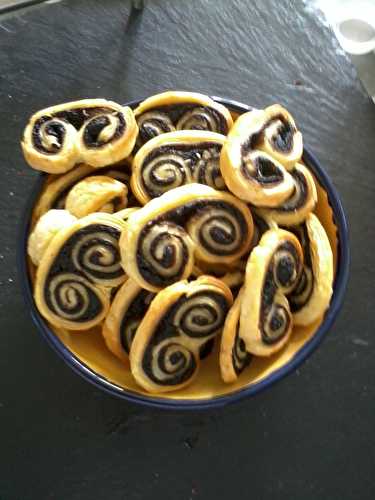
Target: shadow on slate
<point x="312" y="435"/>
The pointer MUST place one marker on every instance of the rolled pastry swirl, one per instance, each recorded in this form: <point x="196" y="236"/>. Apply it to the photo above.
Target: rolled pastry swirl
<point x="97" y="193"/>
<point x="280" y="137"/>
<point x="76" y="272"/>
<point x="94" y="131"/>
<point x="126" y="312"/>
<point x="174" y="159"/>
<point x="249" y="172"/>
<point x="233" y="355"/>
<point x="57" y="188"/>
<point x="163" y="238"/>
<point x="170" y="111"/>
<point x="310" y="298"/>
<point x="273" y="270"/>
<point x="301" y="202"/>
<point x="165" y="352"/>
<point x="45" y="229"/>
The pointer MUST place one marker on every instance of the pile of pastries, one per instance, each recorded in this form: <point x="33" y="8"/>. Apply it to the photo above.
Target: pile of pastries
<point x="174" y="227"/>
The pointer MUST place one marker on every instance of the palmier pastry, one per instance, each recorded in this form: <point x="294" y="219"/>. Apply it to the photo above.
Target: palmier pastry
<point x="127" y="310"/>
<point x="165" y="352"/>
<point x="76" y="272"/>
<point x="301" y="202"/>
<point x="97" y="193"/>
<point x="93" y="131"/>
<point x="57" y="187"/>
<point x="233" y="355"/>
<point x="250" y="173"/>
<point x="130" y="303"/>
<point x="162" y="238"/>
<point x="310" y="298"/>
<point x="45" y="229"/>
<point x="170" y="111"/>
<point x="279" y="136"/>
<point x="273" y="270"/>
<point x="174" y="159"/>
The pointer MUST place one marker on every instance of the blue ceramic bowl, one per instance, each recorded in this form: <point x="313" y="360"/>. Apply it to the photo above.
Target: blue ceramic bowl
<point x="217" y="394"/>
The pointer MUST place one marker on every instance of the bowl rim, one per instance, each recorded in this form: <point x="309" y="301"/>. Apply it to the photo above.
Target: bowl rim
<point x="339" y="288"/>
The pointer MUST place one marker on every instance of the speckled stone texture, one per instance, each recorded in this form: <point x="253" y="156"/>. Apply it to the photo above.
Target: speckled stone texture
<point x="312" y="436"/>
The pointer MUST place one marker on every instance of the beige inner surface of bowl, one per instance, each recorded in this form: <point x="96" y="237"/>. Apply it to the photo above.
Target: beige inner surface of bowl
<point x="89" y="346"/>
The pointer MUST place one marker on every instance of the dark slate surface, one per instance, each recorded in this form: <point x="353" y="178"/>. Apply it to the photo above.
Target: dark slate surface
<point x="311" y="436"/>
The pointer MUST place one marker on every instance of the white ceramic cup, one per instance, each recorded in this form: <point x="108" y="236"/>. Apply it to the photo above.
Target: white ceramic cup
<point x="354" y="25"/>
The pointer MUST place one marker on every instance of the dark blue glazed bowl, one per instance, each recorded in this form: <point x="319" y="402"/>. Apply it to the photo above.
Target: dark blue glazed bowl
<point x="212" y="393"/>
